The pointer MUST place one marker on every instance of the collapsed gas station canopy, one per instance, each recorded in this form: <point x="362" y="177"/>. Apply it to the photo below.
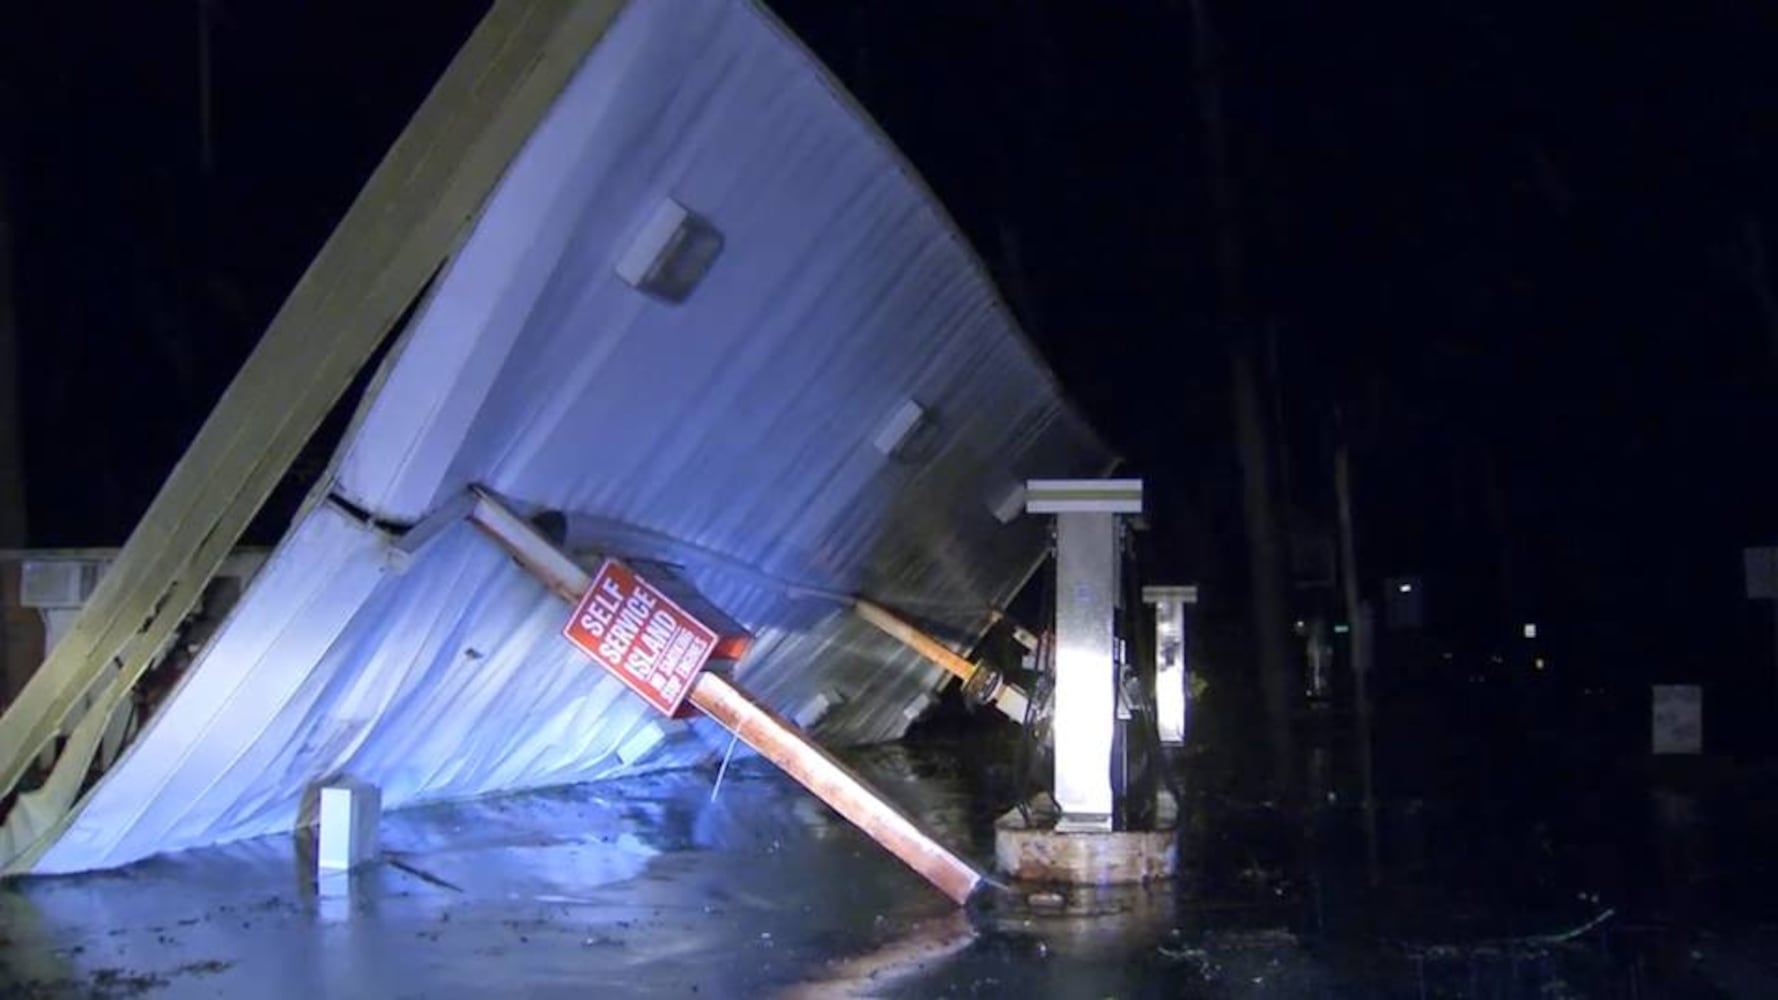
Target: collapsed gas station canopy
<point x="709" y="316"/>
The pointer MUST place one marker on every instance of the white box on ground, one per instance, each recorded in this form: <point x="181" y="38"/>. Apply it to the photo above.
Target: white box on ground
<point x="1678" y="718"/>
<point x="350" y="811"/>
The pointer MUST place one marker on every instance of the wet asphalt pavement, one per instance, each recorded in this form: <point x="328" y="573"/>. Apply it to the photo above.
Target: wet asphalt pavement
<point x="649" y="887"/>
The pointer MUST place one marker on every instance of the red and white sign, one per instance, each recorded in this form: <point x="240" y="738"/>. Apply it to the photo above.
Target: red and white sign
<point x="640" y="635"/>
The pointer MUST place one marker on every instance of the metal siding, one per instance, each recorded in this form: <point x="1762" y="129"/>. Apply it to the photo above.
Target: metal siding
<point x="730" y="434"/>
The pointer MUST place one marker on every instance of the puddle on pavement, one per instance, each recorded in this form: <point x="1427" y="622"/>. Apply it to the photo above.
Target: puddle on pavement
<point x="648" y="887"/>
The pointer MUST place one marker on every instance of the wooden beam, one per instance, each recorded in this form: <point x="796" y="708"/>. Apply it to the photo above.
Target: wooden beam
<point x="418" y="206"/>
<point x="782" y="743"/>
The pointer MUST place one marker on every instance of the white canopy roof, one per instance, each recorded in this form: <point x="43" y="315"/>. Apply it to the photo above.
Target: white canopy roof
<point x="736" y="434"/>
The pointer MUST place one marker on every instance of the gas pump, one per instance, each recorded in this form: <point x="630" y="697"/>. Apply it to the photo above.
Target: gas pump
<point x="1107" y="816"/>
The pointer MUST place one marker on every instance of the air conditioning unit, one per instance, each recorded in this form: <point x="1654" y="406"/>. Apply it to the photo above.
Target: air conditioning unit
<point x="57" y="583"/>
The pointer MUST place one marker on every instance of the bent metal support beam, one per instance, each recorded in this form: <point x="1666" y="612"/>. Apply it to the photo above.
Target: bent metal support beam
<point x="778" y="740"/>
<point x="413" y="212"/>
<point x="1007" y="698"/>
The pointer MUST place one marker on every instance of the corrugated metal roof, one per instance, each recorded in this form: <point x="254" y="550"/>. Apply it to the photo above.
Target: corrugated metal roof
<point x="730" y="434"/>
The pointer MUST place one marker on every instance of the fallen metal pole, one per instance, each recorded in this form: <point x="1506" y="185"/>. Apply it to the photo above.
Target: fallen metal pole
<point x="779" y="741"/>
<point x="1010" y="700"/>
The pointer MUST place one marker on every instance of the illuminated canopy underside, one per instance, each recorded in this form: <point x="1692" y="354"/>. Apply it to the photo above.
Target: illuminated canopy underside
<point x="737" y="434"/>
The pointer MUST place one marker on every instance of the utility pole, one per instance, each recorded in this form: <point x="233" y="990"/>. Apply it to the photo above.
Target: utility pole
<point x="1754" y="273"/>
<point x="12" y="466"/>
<point x="206" y="150"/>
<point x="19" y="636"/>
<point x="1358" y="622"/>
<point x="1762" y="584"/>
<point x="1253" y="437"/>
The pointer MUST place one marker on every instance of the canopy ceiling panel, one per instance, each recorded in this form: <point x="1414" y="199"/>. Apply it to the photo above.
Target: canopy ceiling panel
<point x="736" y="434"/>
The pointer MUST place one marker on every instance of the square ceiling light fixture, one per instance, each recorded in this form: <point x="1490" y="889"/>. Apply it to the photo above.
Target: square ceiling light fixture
<point x="895" y="436"/>
<point x="1008" y="503"/>
<point x="816" y="708"/>
<point x="671" y="253"/>
<point x="643" y="741"/>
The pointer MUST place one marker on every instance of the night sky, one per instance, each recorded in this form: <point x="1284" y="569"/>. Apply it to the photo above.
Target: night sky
<point x="1509" y="243"/>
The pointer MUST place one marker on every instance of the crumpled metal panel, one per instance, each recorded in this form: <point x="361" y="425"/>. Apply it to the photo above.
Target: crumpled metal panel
<point x="730" y="434"/>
